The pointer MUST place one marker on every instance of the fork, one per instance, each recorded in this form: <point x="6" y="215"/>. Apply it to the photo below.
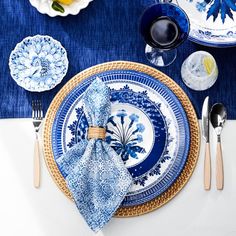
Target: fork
<point x="37" y="116"/>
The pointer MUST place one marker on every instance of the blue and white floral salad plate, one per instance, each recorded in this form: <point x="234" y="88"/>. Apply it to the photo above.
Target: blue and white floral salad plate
<point x="148" y="128"/>
<point x="212" y="22"/>
<point x="38" y="63"/>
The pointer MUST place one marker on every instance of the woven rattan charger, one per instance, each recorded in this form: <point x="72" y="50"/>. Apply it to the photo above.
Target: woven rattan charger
<point x="193" y="124"/>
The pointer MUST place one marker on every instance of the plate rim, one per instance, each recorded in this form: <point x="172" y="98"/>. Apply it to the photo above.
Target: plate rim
<point x="208" y="44"/>
<point x="145" y="81"/>
<point x="182" y="97"/>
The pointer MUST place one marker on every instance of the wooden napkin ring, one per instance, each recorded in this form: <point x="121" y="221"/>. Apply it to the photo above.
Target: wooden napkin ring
<point x="96" y="132"/>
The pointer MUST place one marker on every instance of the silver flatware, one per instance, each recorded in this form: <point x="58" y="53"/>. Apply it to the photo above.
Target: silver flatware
<point x="37" y="116"/>
<point x="205" y="134"/>
<point x="218" y="118"/>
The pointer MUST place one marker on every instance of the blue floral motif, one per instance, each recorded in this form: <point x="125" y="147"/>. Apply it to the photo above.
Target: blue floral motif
<point x="137" y="99"/>
<point x="141" y="100"/>
<point x="201" y="6"/>
<point x="137" y="82"/>
<point x="125" y="136"/>
<point x="223" y="8"/>
<point x="38" y="63"/>
<point x="78" y="128"/>
<point x="156" y="170"/>
<point x="125" y="132"/>
<point x="140" y="181"/>
<point x="214" y="38"/>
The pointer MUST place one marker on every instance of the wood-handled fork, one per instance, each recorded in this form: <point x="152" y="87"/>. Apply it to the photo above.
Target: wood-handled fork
<point x="37" y="116"/>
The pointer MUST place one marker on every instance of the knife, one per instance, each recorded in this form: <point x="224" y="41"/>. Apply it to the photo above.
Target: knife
<point x="205" y="134"/>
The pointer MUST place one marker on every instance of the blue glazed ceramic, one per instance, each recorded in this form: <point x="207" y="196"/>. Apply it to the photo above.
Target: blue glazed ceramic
<point x="148" y="128"/>
<point x="38" y="63"/>
<point x="174" y="13"/>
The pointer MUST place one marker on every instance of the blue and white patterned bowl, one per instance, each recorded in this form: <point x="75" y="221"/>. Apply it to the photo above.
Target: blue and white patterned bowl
<point x="38" y="63"/>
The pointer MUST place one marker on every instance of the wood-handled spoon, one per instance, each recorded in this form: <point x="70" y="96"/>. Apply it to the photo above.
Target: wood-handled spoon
<point x="218" y="117"/>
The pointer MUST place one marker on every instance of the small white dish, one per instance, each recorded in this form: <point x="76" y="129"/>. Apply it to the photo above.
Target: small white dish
<point x="45" y="7"/>
<point x="38" y="63"/>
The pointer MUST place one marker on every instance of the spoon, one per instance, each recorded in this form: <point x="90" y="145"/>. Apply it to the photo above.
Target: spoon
<point x="218" y="116"/>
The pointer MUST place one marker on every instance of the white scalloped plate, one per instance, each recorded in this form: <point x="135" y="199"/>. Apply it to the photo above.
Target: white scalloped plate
<point x="44" y="7"/>
<point x="38" y="63"/>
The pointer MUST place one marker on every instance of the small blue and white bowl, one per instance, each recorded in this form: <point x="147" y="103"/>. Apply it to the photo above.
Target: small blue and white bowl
<point x="38" y="63"/>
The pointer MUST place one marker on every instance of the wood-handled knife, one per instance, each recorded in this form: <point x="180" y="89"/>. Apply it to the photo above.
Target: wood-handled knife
<point x="205" y="134"/>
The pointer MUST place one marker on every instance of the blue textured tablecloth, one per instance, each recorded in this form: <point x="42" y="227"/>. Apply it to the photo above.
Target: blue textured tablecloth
<point x="106" y="30"/>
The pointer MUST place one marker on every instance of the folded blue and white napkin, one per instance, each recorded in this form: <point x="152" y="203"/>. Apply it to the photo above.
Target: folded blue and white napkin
<point x="96" y="175"/>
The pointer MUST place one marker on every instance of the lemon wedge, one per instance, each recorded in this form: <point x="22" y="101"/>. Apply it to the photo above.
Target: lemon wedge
<point x="66" y="2"/>
<point x="209" y="64"/>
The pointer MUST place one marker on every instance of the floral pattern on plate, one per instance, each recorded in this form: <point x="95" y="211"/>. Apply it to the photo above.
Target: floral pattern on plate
<point x="212" y="22"/>
<point x="125" y="134"/>
<point x="217" y="8"/>
<point x="38" y="63"/>
<point x="157" y="123"/>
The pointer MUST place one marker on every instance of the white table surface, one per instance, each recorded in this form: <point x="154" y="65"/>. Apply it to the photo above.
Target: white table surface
<point x="47" y="212"/>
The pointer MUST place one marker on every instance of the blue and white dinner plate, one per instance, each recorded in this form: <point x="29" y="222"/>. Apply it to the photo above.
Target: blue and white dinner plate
<point x="212" y="23"/>
<point x="148" y="128"/>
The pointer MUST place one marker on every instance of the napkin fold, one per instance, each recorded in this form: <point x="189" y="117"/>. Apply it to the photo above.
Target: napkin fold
<point x="95" y="174"/>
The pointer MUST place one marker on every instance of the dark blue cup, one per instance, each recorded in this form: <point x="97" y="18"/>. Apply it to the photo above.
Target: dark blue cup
<point x="174" y="14"/>
<point x="164" y="26"/>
